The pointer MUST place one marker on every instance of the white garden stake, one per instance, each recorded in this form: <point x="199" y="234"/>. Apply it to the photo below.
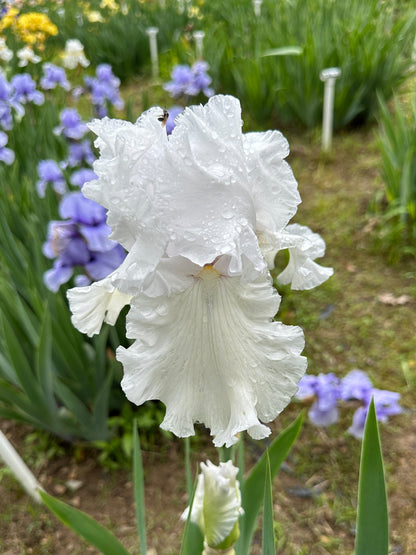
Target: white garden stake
<point x="328" y="76"/>
<point x="199" y="41"/>
<point x="19" y="468"/>
<point x="257" y="7"/>
<point x="152" y="32"/>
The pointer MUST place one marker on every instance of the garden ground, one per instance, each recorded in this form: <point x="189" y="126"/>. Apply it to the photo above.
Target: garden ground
<point x="363" y="317"/>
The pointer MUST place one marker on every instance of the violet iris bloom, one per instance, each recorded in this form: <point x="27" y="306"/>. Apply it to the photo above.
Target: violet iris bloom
<point x="190" y="81"/>
<point x="201" y="80"/>
<point x="173" y="112"/>
<point x="181" y="78"/>
<point x="24" y="90"/>
<point x="78" y="154"/>
<point x="6" y="154"/>
<point x="356" y="385"/>
<point x="50" y="174"/>
<point x="54" y="76"/>
<point x="7" y="102"/>
<point x="325" y="390"/>
<point x="104" y="89"/>
<point x="79" y="177"/>
<point x="80" y="241"/>
<point x="72" y="127"/>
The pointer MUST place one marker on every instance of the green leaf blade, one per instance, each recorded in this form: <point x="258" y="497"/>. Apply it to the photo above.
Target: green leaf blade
<point x="253" y="491"/>
<point x="84" y="526"/>
<point x="372" y="516"/>
<point x="192" y="539"/>
<point x="138" y="480"/>
<point x="269" y="547"/>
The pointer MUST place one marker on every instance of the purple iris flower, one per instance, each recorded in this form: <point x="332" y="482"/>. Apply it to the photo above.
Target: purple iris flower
<point x="356" y="385"/>
<point x="325" y="390"/>
<point x="201" y="80"/>
<point x="65" y="244"/>
<point x="104" y="89"/>
<point x="54" y="76"/>
<point x="6" y="120"/>
<point x="103" y="263"/>
<point x="173" y="112"/>
<point x="24" y="90"/>
<point x="181" y="78"/>
<point x="50" y="174"/>
<point x="6" y="154"/>
<point x="78" y="154"/>
<point x="72" y="127"/>
<point x="105" y="74"/>
<point x="79" y="177"/>
<point x="91" y="219"/>
<point x="7" y="102"/>
<point x="190" y="81"/>
<point x="80" y="240"/>
<point x="386" y="404"/>
<point x="5" y="89"/>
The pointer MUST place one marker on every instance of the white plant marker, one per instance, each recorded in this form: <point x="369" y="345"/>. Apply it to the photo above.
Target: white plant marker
<point x="181" y="6"/>
<point x="13" y="460"/>
<point x="199" y="41"/>
<point x="328" y="76"/>
<point x="162" y="4"/>
<point x="152" y="32"/>
<point x="257" y="7"/>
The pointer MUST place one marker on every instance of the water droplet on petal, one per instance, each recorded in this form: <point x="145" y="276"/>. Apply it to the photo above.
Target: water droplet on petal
<point x="227" y="214"/>
<point x="162" y="310"/>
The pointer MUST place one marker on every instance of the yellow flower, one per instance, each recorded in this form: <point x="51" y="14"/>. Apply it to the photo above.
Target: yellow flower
<point x="95" y="17"/>
<point x="110" y="4"/>
<point x="194" y="11"/>
<point x="8" y="19"/>
<point x="35" y="27"/>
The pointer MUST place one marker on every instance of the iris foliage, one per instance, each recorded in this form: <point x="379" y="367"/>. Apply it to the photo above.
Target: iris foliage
<point x="397" y="144"/>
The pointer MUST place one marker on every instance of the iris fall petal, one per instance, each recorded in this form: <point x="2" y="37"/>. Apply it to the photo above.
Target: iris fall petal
<point x="212" y="354"/>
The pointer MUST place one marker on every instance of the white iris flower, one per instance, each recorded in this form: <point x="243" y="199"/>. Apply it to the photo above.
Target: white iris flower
<point x="202" y="215"/>
<point x="217" y="504"/>
<point x="74" y="54"/>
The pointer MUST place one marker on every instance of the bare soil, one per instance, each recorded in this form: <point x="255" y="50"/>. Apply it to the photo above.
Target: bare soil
<point x="346" y="326"/>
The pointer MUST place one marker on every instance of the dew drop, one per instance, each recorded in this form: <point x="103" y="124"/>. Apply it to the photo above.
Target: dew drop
<point x="227" y="214"/>
<point x="162" y="310"/>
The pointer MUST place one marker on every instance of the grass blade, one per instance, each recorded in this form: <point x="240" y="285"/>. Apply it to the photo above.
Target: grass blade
<point x="268" y="533"/>
<point x="188" y="473"/>
<point x="138" y="479"/>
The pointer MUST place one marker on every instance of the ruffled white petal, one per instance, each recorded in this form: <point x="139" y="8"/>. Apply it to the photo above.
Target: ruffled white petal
<point x="95" y="304"/>
<point x="273" y="186"/>
<point x="202" y="187"/>
<point x="302" y="272"/>
<point x="212" y="354"/>
<point x="129" y="159"/>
